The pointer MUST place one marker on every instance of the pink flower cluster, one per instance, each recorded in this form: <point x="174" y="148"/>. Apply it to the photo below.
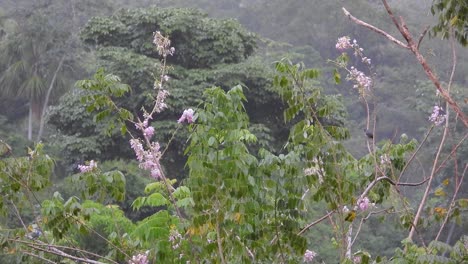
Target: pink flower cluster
<point x="364" y="204"/>
<point x="163" y="44"/>
<point x="87" y="168"/>
<point x="148" y="132"/>
<point x="343" y="43"/>
<point x="438" y="115"/>
<point x="309" y="256"/>
<point x="160" y="103"/>
<point x="357" y="259"/>
<point x="149" y="159"/>
<point x="361" y="80"/>
<point x="187" y="116"/>
<point x="140" y="259"/>
<point x="174" y="238"/>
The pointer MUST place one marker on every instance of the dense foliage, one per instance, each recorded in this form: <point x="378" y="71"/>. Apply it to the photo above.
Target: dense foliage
<point x="185" y="146"/>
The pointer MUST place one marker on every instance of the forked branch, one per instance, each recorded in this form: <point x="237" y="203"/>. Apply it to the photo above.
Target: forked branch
<point x="414" y="47"/>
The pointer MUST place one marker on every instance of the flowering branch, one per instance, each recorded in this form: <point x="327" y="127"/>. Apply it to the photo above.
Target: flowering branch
<point x="371" y="27"/>
<point x="414" y="47"/>
<point x="434" y="167"/>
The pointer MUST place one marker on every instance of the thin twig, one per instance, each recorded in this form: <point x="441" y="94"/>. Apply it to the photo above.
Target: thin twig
<point x="19" y="216"/>
<point x="55" y="251"/>
<point x="315" y="222"/>
<point x="422" y="36"/>
<point x="452" y="152"/>
<point x="249" y="252"/>
<point x="431" y="177"/>
<point x="454" y="65"/>
<point x="219" y="242"/>
<point x="414" y="153"/>
<point x="38" y="257"/>
<point x="452" y="203"/>
<point x="39" y="243"/>
<point x="365" y="219"/>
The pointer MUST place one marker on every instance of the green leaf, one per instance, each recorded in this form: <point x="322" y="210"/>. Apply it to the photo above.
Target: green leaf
<point x="463" y="203"/>
<point x="336" y="76"/>
<point x="156" y="199"/>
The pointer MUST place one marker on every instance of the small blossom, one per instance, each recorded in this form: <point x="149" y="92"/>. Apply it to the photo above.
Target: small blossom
<point x="384" y="159"/>
<point x="345" y="209"/>
<point x="366" y="60"/>
<point x="87" y="168"/>
<point x="343" y="43"/>
<point x="160" y="104"/>
<point x="364" y="204"/>
<point x="140" y="259"/>
<point x="138" y="149"/>
<point x="309" y="256"/>
<point x="149" y="159"/>
<point x="357" y="259"/>
<point x="187" y="116"/>
<point x="360" y="78"/>
<point x="175" y="237"/>
<point x="163" y="44"/>
<point x="156" y="174"/>
<point x="148" y="132"/>
<point x="438" y="115"/>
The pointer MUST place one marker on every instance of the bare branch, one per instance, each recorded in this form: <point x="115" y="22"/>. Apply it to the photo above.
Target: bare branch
<point x="392" y="16"/>
<point x="452" y="204"/>
<point x="55" y="251"/>
<point x="422" y="36"/>
<point x="40" y="246"/>
<point x="371" y="27"/>
<point x="38" y="257"/>
<point x="315" y="222"/>
<point x="411" y="184"/>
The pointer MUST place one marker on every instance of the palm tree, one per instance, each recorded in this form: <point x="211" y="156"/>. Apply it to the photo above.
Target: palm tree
<point x="28" y="52"/>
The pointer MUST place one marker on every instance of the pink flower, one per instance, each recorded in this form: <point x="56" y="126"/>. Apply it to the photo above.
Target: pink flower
<point x="87" y="168"/>
<point x="360" y="79"/>
<point x="148" y="132"/>
<point x="140" y="259"/>
<point x="438" y="115"/>
<point x="186" y="116"/>
<point x="309" y="256"/>
<point x="156" y="174"/>
<point x="149" y="159"/>
<point x="343" y="43"/>
<point x="160" y="104"/>
<point x="357" y="259"/>
<point x="138" y="148"/>
<point x="363" y="204"/>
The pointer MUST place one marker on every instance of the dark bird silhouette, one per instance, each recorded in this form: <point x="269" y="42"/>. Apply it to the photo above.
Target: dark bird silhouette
<point x="368" y="133"/>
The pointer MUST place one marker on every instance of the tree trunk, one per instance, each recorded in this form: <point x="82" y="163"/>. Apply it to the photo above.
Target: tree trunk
<point x="30" y="120"/>
<point x="46" y="100"/>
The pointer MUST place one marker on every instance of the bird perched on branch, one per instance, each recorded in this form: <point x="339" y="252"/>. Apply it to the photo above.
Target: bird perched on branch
<point x="369" y="134"/>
